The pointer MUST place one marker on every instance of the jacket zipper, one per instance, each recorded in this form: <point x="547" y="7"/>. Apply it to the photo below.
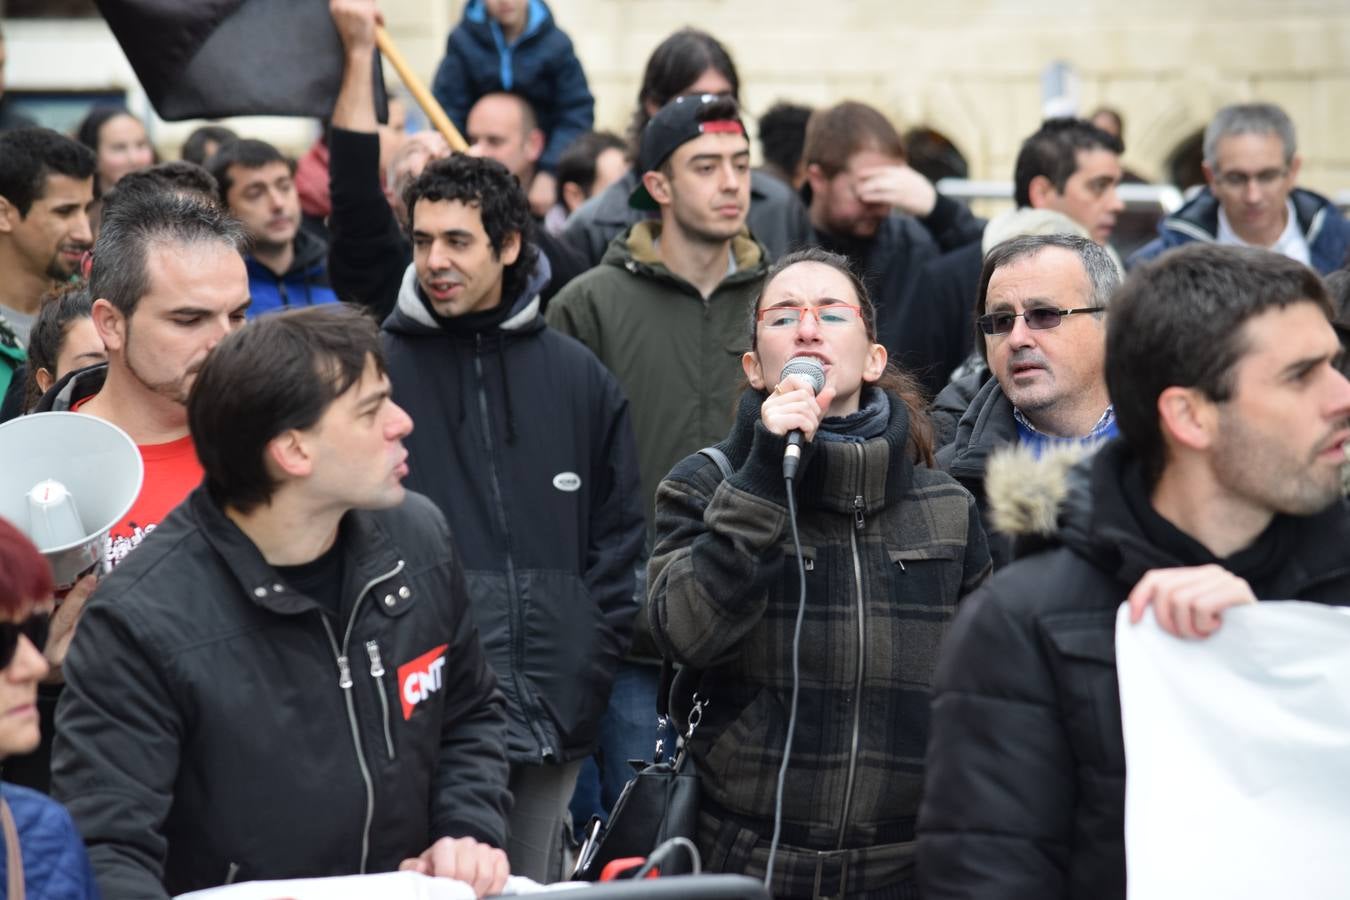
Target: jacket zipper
<point x="858" y="523"/>
<point x="345" y="683"/>
<point x="377" y="672"/>
<point x="517" y="614"/>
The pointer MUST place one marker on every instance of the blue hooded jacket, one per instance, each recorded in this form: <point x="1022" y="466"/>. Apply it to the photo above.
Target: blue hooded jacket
<point x="55" y="865"/>
<point x="304" y="284"/>
<point x="1324" y="228"/>
<point x="540" y="66"/>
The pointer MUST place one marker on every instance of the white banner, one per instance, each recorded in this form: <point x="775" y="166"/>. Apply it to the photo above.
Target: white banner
<point x="1237" y="751"/>
<point x="386" y="886"/>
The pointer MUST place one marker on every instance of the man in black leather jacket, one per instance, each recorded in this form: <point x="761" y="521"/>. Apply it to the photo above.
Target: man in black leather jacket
<point x="285" y="679"/>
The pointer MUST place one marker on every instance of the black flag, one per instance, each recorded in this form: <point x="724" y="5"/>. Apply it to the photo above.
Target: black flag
<point x="207" y="59"/>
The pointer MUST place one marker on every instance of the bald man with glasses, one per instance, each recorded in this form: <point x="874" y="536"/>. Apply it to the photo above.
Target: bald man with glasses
<point x="1043" y="334"/>
<point x="1251" y="165"/>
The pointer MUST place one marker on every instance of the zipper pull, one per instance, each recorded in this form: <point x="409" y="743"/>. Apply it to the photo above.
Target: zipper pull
<point x="344" y="673"/>
<point x="376" y="665"/>
<point x="858" y="507"/>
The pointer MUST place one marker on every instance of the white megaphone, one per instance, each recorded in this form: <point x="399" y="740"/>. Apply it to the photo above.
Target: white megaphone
<point x="65" y="480"/>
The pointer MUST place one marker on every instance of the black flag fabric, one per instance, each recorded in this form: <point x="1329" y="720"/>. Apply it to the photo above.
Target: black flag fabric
<point x="208" y="59"/>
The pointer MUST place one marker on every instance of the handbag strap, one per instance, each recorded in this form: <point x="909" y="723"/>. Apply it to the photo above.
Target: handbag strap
<point x="670" y="679"/>
<point x="13" y="858"/>
<point x="719" y="459"/>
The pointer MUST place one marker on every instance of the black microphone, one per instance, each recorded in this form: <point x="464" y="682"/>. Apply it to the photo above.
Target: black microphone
<point x="815" y="373"/>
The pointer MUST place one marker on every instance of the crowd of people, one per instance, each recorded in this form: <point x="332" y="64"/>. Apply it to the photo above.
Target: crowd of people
<point x="450" y="457"/>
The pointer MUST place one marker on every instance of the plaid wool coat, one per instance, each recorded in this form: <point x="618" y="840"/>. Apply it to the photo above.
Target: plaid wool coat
<point x="889" y="550"/>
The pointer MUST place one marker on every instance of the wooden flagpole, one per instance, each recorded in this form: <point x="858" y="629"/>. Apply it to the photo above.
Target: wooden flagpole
<point x="419" y="91"/>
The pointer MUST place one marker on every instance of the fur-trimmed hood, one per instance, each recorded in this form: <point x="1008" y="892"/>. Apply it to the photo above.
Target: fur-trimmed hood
<point x="1027" y="492"/>
<point x="1074" y="496"/>
<point x="1082" y="499"/>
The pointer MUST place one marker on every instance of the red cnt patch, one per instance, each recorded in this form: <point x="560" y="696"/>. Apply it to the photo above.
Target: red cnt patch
<point x="420" y="678"/>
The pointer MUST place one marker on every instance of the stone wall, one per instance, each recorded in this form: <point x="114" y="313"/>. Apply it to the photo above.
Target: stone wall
<point x="969" y="68"/>
<point x="972" y="68"/>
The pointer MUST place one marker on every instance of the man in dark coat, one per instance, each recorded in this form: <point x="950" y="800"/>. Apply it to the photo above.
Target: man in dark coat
<point x="687" y="62"/>
<point x="368" y="249"/>
<point x="287" y="265"/>
<point x="1251" y="166"/>
<point x="858" y="183"/>
<point x="525" y="444"/>
<point x="1064" y="181"/>
<point x="1041" y="310"/>
<point x="284" y="680"/>
<point x="1225" y="487"/>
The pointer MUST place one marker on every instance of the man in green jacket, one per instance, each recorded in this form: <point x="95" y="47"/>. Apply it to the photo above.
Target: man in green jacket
<point x="666" y="312"/>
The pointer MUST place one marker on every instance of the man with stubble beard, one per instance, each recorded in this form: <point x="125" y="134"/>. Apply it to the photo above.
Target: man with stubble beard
<point x="169" y="283"/>
<point x="46" y="187"/>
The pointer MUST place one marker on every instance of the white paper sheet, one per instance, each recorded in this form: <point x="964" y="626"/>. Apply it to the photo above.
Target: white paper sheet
<point x="1237" y="751"/>
<point x="386" y="886"/>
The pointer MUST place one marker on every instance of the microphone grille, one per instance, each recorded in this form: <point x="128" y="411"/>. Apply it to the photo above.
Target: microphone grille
<point x="808" y="366"/>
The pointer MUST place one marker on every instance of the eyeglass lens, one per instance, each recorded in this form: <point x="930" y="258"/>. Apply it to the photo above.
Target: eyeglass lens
<point x="1265" y="178"/>
<point x="784" y="316"/>
<point x="1038" y="319"/>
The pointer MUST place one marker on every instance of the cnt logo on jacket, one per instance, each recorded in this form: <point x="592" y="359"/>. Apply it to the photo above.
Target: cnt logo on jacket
<point x="420" y="678"/>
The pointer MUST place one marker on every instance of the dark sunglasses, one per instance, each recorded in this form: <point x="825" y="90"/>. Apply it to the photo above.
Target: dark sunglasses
<point x="35" y="628"/>
<point x="1038" y="319"/>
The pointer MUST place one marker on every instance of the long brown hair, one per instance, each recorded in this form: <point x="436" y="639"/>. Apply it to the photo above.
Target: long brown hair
<point x="893" y="380"/>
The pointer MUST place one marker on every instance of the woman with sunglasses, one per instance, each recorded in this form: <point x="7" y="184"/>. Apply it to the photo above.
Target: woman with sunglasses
<point x="43" y="855"/>
<point x="888" y="547"/>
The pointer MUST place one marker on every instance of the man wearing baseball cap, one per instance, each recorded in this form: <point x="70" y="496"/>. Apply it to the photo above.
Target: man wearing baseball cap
<point x="665" y="311"/>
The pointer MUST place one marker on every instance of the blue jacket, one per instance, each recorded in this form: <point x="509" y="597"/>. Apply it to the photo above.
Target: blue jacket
<point x="1324" y="228"/>
<point x="540" y="65"/>
<point x="304" y="284"/>
<point x="55" y="866"/>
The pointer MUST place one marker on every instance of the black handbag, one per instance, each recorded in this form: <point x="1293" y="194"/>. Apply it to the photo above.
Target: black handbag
<point x="660" y="802"/>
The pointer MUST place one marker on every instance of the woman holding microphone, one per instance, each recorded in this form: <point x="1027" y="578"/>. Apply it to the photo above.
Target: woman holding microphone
<point x="838" y="645"/>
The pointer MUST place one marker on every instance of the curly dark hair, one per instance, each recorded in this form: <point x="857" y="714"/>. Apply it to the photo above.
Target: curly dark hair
<point x="496" y="193"/>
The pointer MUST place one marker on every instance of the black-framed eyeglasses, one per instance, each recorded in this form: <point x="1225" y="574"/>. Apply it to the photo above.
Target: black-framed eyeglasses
<point x="1238" y="180"/>
<point x="1038" y="319"/>
<point x="35" y="628"/>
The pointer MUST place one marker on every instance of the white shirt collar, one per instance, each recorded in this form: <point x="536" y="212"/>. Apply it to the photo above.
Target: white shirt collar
<point x="1290" y="242"/>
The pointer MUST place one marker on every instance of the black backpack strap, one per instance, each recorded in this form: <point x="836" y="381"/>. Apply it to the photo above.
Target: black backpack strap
<point x="719" y="459"/>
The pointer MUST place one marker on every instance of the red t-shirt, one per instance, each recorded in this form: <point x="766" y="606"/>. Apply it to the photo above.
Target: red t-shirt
<point x="171" y="473"/>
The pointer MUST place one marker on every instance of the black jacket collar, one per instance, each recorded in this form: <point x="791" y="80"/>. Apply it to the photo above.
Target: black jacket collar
<point x="371" y="556"/>
<point x="1101" y="521"/>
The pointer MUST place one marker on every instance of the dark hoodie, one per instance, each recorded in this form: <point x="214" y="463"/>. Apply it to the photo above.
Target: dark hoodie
<point x="523" y="440"/>
<point x="1026" y="760"/>
<point x="305" y="283"/>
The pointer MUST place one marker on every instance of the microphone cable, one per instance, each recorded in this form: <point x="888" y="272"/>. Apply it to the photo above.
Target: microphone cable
<point x="796" y="686"/>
